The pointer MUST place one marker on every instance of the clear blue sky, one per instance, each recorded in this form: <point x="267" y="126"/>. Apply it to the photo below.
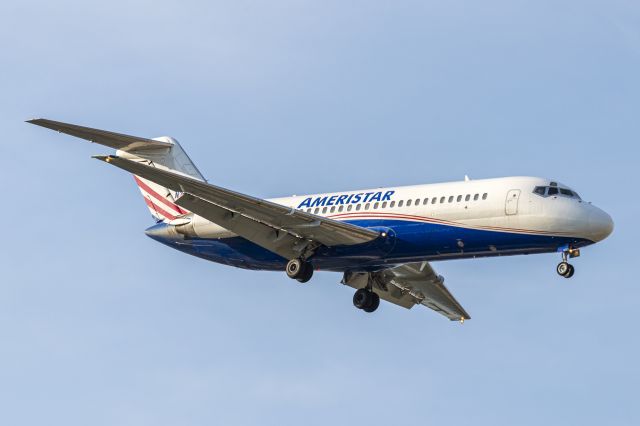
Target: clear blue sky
<point x="101" y="325"/>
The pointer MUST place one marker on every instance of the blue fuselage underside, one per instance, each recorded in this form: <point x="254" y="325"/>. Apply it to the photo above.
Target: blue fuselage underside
<point x="406" y="241"/>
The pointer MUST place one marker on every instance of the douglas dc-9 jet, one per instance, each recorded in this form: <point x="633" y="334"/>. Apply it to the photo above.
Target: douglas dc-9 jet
<point x="381" y="240"/>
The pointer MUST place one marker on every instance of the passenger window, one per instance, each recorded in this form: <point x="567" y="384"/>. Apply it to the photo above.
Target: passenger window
<point x="324" y="210"/>
<point x="384" y="205"/>
<point x="552" y="191"/>
<point x="417" y="202"/>
<point x="393" y="203"/>
<point x="425" y="201"/>
<point x="316" y="210"/>
<point x="400" y="203"/>
<point x="408" y="203"/>
<point x="358" y="207"/>
<point x="333" y="209"/>
<point x="375" y="206"/>
<point x="475" y="197"/>
<point x="451" y="198"/>
<point x="366" y="206"/>
<point x="434" y="200"/>
<point x="340" y="209"/>
<point x="442" y="200"/>
<point x="459" y="198"/>
<point x="468" y="197"/>
<point x="484" y="196"/>
<point x="349" y="207"/>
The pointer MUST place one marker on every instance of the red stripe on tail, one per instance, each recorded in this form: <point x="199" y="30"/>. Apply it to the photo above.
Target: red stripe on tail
<point x="157" y="196"/>
<point x="159" y="211"/>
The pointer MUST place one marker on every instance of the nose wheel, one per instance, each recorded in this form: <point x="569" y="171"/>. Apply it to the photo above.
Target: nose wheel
<point x="565" y="269"/>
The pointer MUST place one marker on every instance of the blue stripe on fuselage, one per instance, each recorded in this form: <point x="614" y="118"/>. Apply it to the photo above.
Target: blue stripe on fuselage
<point x="413" y="241"/>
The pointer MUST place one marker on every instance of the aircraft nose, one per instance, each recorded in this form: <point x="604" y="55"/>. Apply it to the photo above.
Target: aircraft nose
<point x="600" y="224"/>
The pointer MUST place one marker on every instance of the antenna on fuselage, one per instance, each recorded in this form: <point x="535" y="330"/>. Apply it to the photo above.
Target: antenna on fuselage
<point x="466" y="178"/>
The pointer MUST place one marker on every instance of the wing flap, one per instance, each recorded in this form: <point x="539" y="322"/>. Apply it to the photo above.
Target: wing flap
<point x="411" y="284"/>
<point x="390" y="293"/>
<point x="429" y="288"/>
<point x="297" y="223"/>
<point x="103" y="137"/>
<point x="279" y="242"/>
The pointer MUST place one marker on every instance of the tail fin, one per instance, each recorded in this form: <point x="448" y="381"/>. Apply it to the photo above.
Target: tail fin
<point x="163" y="152"/>
<point x="161" y="200"/>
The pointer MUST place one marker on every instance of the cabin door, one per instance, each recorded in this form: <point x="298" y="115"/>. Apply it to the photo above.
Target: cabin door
<point x="511" y="203"/>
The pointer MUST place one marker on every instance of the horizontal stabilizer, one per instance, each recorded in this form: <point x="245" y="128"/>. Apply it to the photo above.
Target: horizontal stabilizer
<point x="103" y="137"/>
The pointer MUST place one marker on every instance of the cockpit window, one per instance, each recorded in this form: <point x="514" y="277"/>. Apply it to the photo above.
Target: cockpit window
<point x="569" y="193"/>
<point x="553" y="190"/>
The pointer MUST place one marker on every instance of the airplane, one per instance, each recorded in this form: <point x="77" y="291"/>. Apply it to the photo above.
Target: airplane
<point x="382" y="240"/>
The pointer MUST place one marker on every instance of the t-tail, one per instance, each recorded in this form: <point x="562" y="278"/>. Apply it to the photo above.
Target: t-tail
<point x="161" y="200"/>
<point x="163" y="152"/>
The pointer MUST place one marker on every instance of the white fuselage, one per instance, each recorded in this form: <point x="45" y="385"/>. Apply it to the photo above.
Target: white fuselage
<point x="502" y="204"/>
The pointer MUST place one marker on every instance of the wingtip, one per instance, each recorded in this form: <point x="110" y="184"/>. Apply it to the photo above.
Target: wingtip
<point x="460" y="319"/>
<point x="105" y="158"/>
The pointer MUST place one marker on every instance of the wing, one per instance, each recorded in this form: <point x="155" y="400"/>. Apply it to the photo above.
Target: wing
<point x="103" y="137"/>
<point x="409" y="284"/>
<point x="269" y="221"/>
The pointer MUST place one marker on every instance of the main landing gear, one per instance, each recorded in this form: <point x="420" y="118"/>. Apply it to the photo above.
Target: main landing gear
<point x="564" y="268"/>
<point x="366" y="300"/>
<point x="299" y="270"/>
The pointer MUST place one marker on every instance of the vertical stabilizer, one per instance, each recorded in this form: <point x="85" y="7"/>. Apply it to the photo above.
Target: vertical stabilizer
<point x="161" y="200"/>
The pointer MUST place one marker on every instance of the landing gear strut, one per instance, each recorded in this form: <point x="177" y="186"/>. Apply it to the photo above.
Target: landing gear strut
<point x="564" y="268"/>
<point x="299" y="270"/>
<point x="366" y="300"/>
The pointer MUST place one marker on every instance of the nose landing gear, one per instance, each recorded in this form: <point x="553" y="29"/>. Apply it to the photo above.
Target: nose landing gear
<point x="564" y="268"/>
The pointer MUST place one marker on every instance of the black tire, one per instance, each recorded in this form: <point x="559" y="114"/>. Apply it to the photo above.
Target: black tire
<point x="362" y="298"/>
<point x="571" y="272"/>
<point x="375" y="302"/>
<point x="307" y="272"/>
<point x="295" y="267"/>
<point x="563" y="269"/>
